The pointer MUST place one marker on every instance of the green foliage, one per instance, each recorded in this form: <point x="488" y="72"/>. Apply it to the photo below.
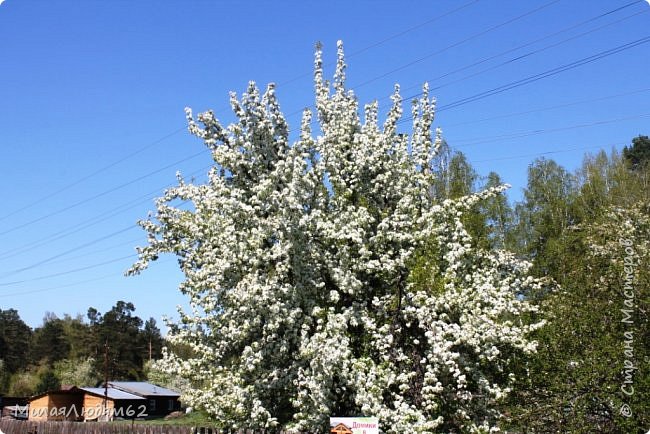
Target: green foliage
<point x="49" y="343"/>
<point x="155" y="376"/>
<point x="48" y="381"/>
<point x="78" y="372"/>
<point x="488" y="221"/>
<point x="118" y="333"/>
<point x="79" y="337"/>
<point x="545" y="213"/>
<point x="152" y="340"/>
<point x="71" y="351"/>
<point x="574" y="227"/>
<point x="15" y="338"/>
<point x="638" y="155"/>
<point x="22" y="384"/>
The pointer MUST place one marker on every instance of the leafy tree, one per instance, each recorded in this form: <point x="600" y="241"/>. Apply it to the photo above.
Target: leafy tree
<point x="573" y="383"/>
<point x="49" y="343"/>
<point x="77" y="372"/>
<point x="498" y="216"/>
<point x="152" y="340"/>
<point x="456" y="178"/>
<point x="546" y="212"/>
<point x="638" y="155"/>
<point x="79" y="336"/>
<point x="118" y="332"/>
<point x="14" y="340"/>
<point x="302" y="266"/>
<point x="23" y="384"/>
<point x="156" y="376"/>
<point x="48" y="381"/>
<point x="4" y="377"/>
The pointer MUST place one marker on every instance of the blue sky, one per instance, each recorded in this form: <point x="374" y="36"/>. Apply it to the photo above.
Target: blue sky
<point x="92" y="95"/>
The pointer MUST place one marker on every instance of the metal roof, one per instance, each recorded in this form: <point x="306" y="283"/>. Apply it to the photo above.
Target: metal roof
<point x="143" y="389"/>
<point x="112" y="393"/>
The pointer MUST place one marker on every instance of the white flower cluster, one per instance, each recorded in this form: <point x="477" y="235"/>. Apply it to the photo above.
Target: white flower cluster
<point x="299" y="262"/>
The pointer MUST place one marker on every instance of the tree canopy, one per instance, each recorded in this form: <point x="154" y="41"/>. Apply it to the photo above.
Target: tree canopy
<point x="70" y="351"/>
<point x="304" y="269"/>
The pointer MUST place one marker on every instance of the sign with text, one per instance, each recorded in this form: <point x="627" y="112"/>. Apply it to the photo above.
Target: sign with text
<point x="354" y="425"/>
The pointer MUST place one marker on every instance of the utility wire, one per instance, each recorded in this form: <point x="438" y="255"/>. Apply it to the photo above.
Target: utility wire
<point x="464" y="143"/>
<point x="449" y="107"/>
<point x="530" y="53"/>
<point x="80" y="226"/>
<point x="91" y="175"/>
<point x="472" y="142"/>
<point x="63" y="273"/>
<point x="542" y="109"/>
<point x="486" y="59"/>
<point x="178" y="130"/>
<point x="58" y="287"/>
<point x="540" y="76"/>
<point x="362" y="84"/>
<point x="67" y="252"/>
<point x="481" y="95"/>
<point x="456" y="44"/>
<point x="129" y="243"/>
<point x="104" y="193"/>
<point x="455" y="104"/>
<point x="383" y="41"/>
<point x="537" y="154"/>
<point x="535" y="41"/>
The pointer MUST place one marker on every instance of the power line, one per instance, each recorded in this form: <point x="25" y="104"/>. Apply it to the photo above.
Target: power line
<point x="537" y="154"/>
<point x="530" y="53"/>
<point x="383" y="41"/>
<point x="87" y="223"/>
<point x="74" y="249"/>
<point x="63" y="273"/>
<point x="456" y="145"/>
<point x="535" y="41"/>
<point x="73" y="229"/>
<point x="157" y="141"/>
<point x="55" y="288"/>
<point x="463" y="101"/>
<point x="486" y="59"/>
<point x="104" y="193"/>
<point x="456" y="44"/>
<point x="540" y="76"/>
<point x="130" y="243"/>
<point x="177" y="131"/>
<point x="376" y="78"/>
<point x="91" y="175"/>
<point x="58" y="287"/>
<point x="554" y="107"/>
<point x="520" y="134"/>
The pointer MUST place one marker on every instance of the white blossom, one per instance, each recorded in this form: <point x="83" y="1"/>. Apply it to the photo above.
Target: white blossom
<point x="298" y="262"/>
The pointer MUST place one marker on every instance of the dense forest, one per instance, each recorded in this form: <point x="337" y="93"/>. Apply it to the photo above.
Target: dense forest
<point x="75" y="350"/>
<point x="587" y="232"/>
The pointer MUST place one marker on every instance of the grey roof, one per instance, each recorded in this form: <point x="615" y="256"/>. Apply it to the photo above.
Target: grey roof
<point x="112" y="393"/>
<point x="143" y="389"/>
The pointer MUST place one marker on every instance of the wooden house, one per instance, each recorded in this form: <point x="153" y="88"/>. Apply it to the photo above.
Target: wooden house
<point x="160" y="401"/>
<point x="101" y="404"/>
<point x="57" y="405"/>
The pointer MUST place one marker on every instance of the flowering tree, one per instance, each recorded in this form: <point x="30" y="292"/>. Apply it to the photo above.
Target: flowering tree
<point x="324" y="279"/>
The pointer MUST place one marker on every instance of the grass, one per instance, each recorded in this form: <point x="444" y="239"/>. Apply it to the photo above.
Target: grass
<point x="196" y="418"/>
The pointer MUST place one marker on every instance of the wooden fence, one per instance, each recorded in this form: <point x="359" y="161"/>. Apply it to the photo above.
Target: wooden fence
<point x="11" y="426"/>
